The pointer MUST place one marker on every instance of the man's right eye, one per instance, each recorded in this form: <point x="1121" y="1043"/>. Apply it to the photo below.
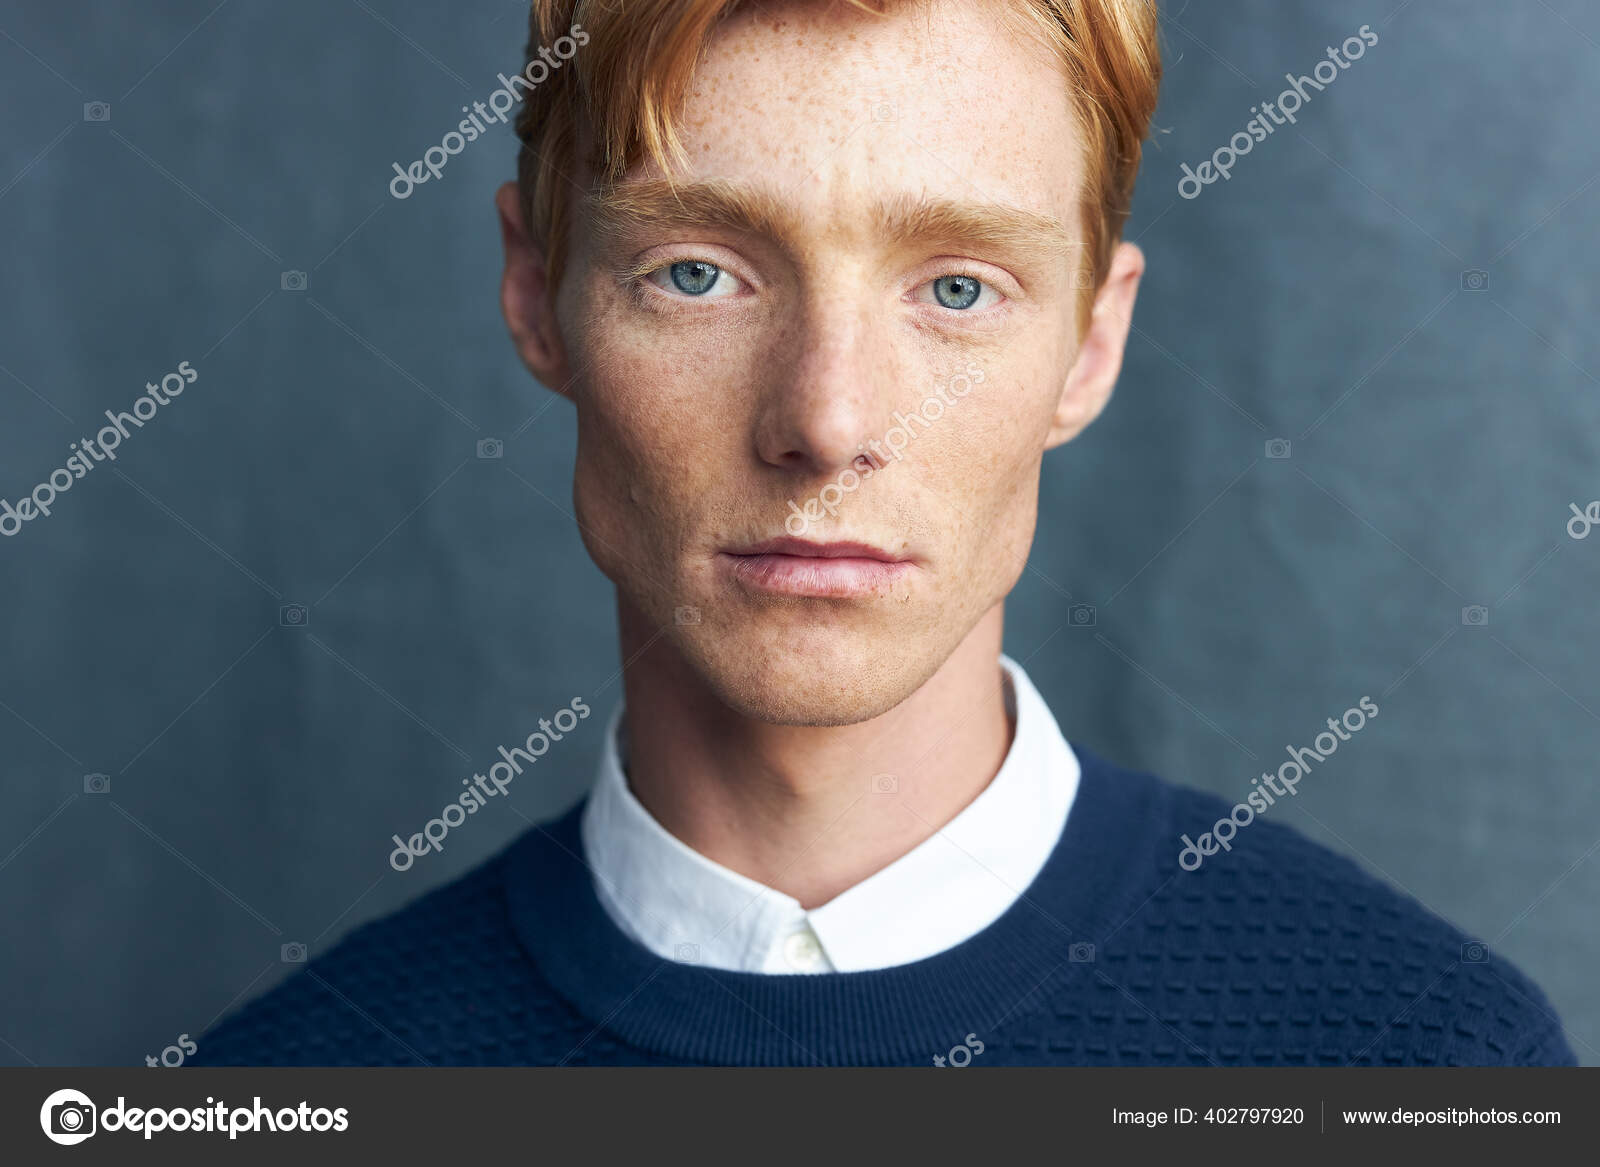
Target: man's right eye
<point x="696" y="278"/>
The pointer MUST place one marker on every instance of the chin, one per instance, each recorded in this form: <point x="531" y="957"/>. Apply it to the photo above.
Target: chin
<point x="821" y="675"/>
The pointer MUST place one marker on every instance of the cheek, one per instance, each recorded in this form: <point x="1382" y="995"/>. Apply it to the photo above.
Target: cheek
<point x="994" y="438"/>
<point x="634" y="462"/>
<point x="995" y="452"/>
<point x="649" y="457"/>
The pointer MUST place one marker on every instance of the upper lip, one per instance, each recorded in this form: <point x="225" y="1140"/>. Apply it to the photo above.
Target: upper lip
<point x="788" y="545"/>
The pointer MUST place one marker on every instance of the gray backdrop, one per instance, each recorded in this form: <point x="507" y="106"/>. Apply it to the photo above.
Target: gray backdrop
<point x="327" y="457"/>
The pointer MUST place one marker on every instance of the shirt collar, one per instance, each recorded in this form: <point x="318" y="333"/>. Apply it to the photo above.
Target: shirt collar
<point x="684" y="906"/>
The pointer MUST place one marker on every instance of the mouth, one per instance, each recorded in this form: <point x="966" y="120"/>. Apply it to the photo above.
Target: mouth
<point x="798" y="567"/>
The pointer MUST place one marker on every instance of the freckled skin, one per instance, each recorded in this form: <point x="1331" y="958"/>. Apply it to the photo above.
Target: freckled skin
<point x="699" y="419"/>
<point x="696" y="428"/>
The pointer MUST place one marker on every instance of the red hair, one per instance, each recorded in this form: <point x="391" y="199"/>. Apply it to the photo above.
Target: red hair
<point x="627" y="86"/>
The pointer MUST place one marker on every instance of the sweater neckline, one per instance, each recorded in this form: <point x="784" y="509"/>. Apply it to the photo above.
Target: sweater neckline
<point x="899" y="1015"/>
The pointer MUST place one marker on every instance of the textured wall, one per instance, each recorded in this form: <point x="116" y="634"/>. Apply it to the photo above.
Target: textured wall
<point x="327" y="458"/>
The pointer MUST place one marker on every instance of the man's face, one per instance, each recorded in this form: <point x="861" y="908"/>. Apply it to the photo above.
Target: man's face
<point x="878" y="210"/>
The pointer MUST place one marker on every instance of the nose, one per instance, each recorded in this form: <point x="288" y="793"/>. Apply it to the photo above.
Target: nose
<point x="823" y="390"/>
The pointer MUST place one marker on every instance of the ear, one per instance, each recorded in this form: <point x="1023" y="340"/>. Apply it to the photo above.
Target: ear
<point x="1099" y="360"/>
<point x="526" y="297"/>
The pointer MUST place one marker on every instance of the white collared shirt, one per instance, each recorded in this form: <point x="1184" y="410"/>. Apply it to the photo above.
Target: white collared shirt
<point x="686" y="907"/>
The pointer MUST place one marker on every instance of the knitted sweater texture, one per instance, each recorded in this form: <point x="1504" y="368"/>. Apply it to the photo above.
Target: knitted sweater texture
<point x="1277" y="952"/>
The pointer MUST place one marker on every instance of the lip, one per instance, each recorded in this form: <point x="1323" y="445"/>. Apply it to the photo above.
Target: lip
<point x="797" y="567"/>
<point x="806" y="549"/>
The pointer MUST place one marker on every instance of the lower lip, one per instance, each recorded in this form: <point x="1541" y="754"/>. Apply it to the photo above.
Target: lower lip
<point x="811" y="575"/>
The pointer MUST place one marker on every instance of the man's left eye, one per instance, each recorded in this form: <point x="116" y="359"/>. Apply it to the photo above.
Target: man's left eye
<point x="958" y="293"/>
<point x="694" y="278"/>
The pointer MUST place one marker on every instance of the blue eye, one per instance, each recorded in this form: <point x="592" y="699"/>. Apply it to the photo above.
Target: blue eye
<point x="959" y="292"/>
<point x="695" y="277"/>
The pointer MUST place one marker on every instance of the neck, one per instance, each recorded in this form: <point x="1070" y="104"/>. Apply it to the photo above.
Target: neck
<point x="810" y="810"/>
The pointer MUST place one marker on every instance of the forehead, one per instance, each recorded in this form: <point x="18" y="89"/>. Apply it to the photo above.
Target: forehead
<point x="828" y="108"/>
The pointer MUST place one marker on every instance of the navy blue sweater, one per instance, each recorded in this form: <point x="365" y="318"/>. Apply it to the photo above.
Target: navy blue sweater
<point x="1275" y="953"/>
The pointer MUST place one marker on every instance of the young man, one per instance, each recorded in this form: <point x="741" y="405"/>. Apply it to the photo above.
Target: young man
<point x="824" y="283"/>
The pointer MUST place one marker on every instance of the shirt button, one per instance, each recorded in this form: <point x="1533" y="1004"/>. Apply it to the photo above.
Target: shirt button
<point x="802" y="951"/>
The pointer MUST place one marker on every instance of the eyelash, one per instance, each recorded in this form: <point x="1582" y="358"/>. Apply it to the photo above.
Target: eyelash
<point x="986" y="286"/>
<point x="648" y="294"/>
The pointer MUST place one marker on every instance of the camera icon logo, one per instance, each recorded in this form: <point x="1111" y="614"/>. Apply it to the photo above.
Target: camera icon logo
<point x="67" y="1117"/>
<point x="1081" y="615"/>
<point x="1082" y="280"/>
<point x="293" y="953"/>
<point x="294" y="616"/>
<point x="1475" y="616"/>
<point x="885" y="784"/>
<point x="1081" y="953"/>
<point x="491" y="448"/>
<point x="97" y="784"/>
<point x="1474" y="280"/>
<point x="1474" y="952"/>
<point x="686" y="615"/>
<point x="687" y="953"/>
<point x="885" y="111"/>
<point x="1278" y="448"/>
<point x="293" y="281"/>
<point x="96" y="111"/>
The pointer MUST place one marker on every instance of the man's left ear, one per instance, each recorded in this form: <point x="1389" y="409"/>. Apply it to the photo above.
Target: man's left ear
<point x="1094" y="373"/>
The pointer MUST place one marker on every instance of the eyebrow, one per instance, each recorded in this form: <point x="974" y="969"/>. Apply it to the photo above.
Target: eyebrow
<point x="901" y="219"/>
